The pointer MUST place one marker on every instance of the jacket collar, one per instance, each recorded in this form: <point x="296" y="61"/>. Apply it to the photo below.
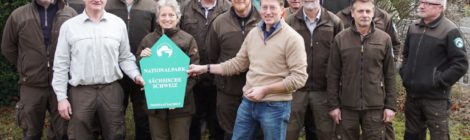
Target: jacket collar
<point x="277" y="27"/>
<point x="252" y="16"/>
<point x="324" y="17"/>
<point x="124" y="1"/>
<point x="432" y="24"/>
<point x="354" y="29"/>
<point x="219" y="7"/>
<point x="168" y="32"/>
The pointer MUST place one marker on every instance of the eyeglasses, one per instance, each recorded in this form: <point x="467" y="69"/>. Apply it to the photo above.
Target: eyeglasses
<point x="428" y="3"/>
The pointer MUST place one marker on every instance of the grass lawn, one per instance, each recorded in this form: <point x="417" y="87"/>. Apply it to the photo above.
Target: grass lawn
<point x="10" y="131"/>
<point x="459" y="124"/>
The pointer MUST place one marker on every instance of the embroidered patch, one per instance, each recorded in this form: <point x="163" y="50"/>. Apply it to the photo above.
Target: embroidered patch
<point x="458" y="42"/>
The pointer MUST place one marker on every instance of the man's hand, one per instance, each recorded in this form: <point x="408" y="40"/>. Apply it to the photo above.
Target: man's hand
<point x="255" y="93"/>
<point x="195" y="70"/>
<point x="65" y="110"/>
<point x="336" y="115"/>
<point x="388" y="115"/>
<point x="139" y="81"/>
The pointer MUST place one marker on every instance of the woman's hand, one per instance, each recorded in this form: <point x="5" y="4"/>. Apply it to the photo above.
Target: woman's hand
<point x="146" y="52"/>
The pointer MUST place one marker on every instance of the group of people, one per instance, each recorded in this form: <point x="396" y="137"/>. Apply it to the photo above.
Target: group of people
<point x="258" y="70"/>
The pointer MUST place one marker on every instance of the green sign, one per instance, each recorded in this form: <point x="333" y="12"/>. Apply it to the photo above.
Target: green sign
<point x="165" y="76"/>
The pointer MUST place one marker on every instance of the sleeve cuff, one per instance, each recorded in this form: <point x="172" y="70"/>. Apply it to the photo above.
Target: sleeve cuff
<point x="61" y="98"/>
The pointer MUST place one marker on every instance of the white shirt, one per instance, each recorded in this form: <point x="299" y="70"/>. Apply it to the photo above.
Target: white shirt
<point x="92" y="53"/>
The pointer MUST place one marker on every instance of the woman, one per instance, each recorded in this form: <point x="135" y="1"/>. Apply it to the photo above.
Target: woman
<point x="171" y="123"/>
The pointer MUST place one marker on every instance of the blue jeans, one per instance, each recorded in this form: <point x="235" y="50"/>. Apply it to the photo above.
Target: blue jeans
<point x="271" y="117"/>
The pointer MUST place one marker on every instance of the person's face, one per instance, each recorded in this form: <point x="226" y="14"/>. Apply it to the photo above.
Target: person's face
<point x="429" y="8"/>
<point x="294" y="4"/>
<point x="167" y="17"/>
<point x="241" y="5"/>
<point x="95" y="5"/>
<point x="270" y="11"/>
<point x="311" y="4"/>
<point x="363" y="12"/>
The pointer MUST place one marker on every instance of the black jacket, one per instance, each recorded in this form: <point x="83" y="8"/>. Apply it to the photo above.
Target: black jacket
<point x="434" y="58"/>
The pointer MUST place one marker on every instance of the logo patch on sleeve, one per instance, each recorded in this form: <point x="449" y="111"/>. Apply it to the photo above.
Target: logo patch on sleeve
<point x="458" y="42"/>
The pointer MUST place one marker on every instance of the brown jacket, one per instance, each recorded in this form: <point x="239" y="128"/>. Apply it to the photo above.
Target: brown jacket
<point x="361" y="73"/>
<point x="382" y="21"/>
<point x="224" y="41"/>
<point x="140" y="20"/>
<point x="193" y="21"/>
<point x="188" y="45"/>
<point x="23" y="43"/>
<point x="317" y="45"/>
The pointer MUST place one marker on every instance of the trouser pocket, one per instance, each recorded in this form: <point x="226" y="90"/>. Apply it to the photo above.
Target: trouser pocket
<point x="19" y="115"/>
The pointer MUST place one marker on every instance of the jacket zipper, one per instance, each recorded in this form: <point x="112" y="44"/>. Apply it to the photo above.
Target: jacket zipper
<point x="313" y="50"/>
<point x="243" y="28"/>
<point x="413" y="71"/>
<point x="128" y="19"/>
<point x="49" y="44"/>
<point x="362" y="72"/>
<point x="45" y="17"/>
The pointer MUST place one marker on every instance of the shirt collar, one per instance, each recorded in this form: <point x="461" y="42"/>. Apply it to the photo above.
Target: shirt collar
<point x="273" y="28"/>
<point x="85" y="18"/>
<point x="317" y="18"/>
<point x="210" y="7"/>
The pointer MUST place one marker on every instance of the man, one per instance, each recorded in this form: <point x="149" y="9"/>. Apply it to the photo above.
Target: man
<point x="361" y="77"/>
<point x="224" y="40"/>
<point x="32" y="52"/>
<point x="90" y="60"/>
<point x="318" y="27"/>
<point x="382" y="21"/>
<point x="197" y="18"/>
<point x="335" y="5"/>
<point x="294" y="6"/>
<point x="434" y="58"/>
<point x="274" y="56"/>
<point x="139" y="16"/>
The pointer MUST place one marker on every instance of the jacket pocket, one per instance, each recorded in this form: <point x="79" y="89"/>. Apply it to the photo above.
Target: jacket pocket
<point x="21" y="68"/>
<point x="436" y="78"/>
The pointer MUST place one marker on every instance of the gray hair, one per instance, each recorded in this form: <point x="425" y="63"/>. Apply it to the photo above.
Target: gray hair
<point x="171" y="3"/>
<point x="443" y="3"/>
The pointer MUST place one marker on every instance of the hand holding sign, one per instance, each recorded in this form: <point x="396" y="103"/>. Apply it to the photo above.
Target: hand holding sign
<point x="195" y="70"/>
<point x="139" y="81"/>
<point x="146" y="52"/>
